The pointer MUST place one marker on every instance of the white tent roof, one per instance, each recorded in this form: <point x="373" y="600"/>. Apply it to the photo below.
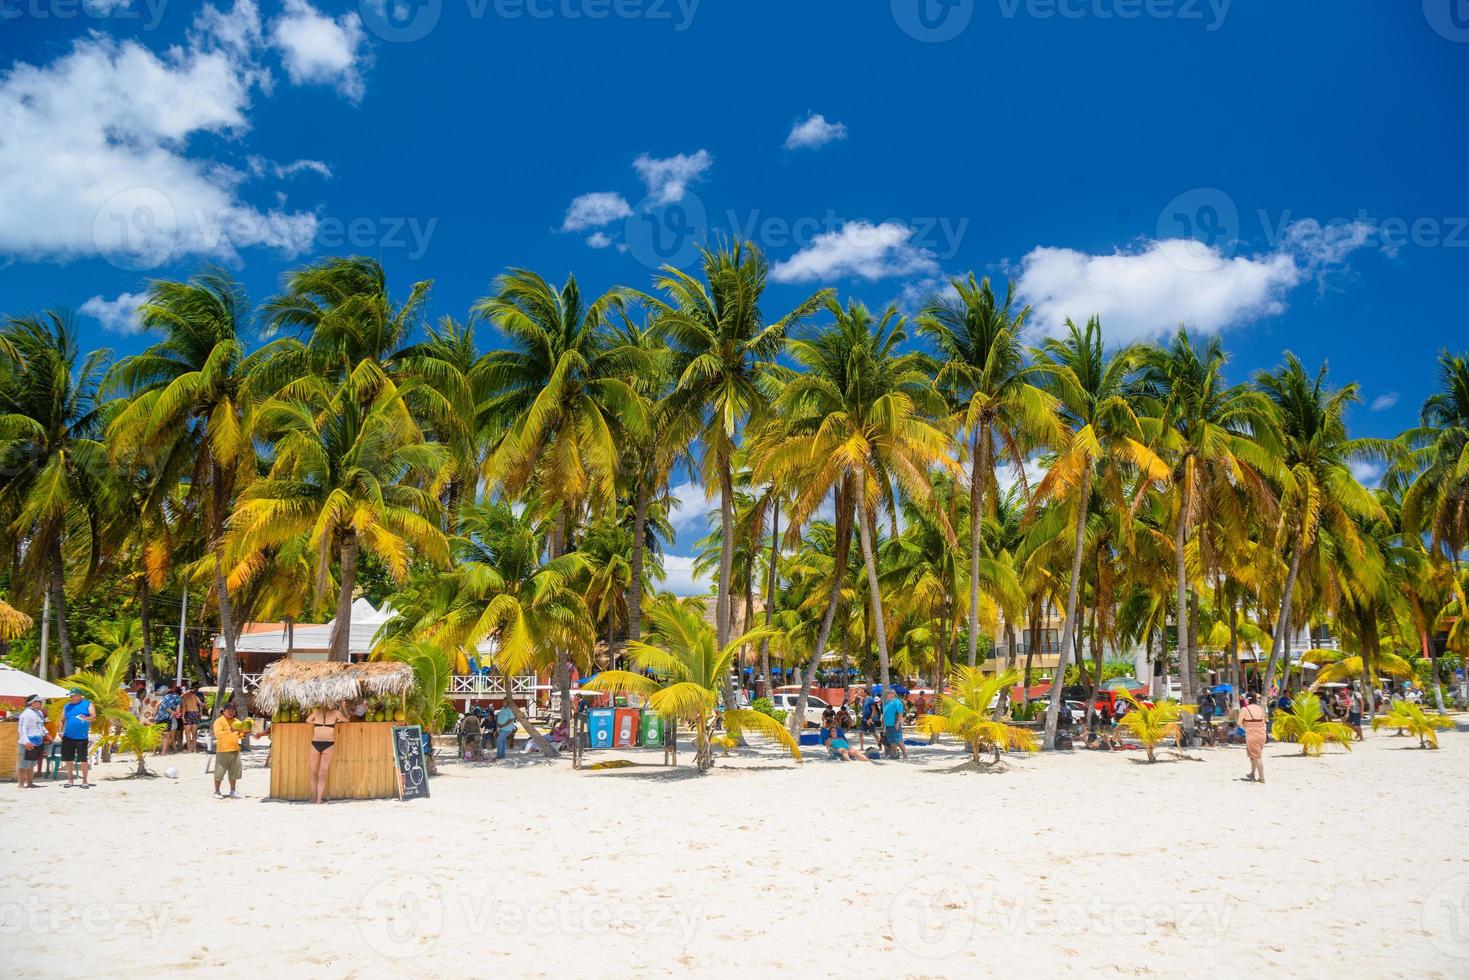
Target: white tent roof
<point x="366" y="621"/>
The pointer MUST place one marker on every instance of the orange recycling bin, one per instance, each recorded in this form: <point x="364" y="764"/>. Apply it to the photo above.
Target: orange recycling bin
<point x="625" y="727"/>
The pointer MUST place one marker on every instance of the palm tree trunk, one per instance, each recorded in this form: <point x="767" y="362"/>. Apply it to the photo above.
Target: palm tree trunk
<point x="1091" y="701"/>
<point x="723" y="609"/>
<point x="149" y="671"/>
<point x="635" y="587"/>
<point x="1053" y="710"/>
<point x="1035" y="635"/>
<point x="843" y="503"/>
<point x="1281" y="646"/>
<point x="342" y="629"/>
<point x="1427" y="645"/>
<point x="58" y="601"/>
<point x="229" y="678"/>
<point x="560" y="545"/>
<point x="523" y="720"/>
<point x="770" y="596"/>
<point x="869" y="559"/>
<point x="1235" y="679"/>
<point x="976" y="514"/>
<point x="1188" y="674"/>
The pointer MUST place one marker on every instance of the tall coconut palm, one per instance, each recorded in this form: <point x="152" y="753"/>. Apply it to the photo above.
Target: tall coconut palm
<point x="1001" y="414"/>
<point x="1217" y="437"/>
<point x="864" y="413"/>
<point x="1436" y="467"/>
<point x="1321" y="490"/>
<point x="351" y="471"/>
<point x="561" y="392"/>
<point x="1105" y="436"/>
<point x="58" y="494"/>
<point x="721" y="343"/>
<point x="504" y="589"/>
<point x="188" y="401"/>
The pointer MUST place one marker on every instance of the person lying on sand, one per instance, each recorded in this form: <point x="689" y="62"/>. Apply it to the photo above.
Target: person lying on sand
<point x="841" y="749"/>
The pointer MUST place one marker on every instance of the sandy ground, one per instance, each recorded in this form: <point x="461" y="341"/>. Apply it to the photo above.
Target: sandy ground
<point x="1352" y="864"/>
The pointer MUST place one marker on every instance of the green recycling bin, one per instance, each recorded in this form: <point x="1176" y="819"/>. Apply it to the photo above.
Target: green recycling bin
<point x="650" y="729"/>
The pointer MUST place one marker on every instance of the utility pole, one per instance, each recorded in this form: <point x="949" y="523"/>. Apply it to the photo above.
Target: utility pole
<point x="178" y="673"/>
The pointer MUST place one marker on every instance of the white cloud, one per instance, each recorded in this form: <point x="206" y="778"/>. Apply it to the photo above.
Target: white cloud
<point x="319" y="50"/>
<point x="814" y="131"/>
<point x="119" y="315"/>
<point x="595" y="210"/>
<point x="669" y="178"/>
<point x="599" y="239"/>
<point x="688" y="507"/>
<point x="861" y="249"/>
<point x="260" y="167"/>
<point x="94" y="150"/>
<point x="1385" y="401"/>
<point x="679" y="577"/>
<point x="1151" y="290"/>
<point x="1366" y="473"/>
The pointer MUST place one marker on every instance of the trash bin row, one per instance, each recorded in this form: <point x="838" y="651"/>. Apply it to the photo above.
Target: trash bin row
<point x="609" y="728"/>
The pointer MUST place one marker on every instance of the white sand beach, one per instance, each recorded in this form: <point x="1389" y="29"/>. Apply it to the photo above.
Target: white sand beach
<point x="1070" y="863"/>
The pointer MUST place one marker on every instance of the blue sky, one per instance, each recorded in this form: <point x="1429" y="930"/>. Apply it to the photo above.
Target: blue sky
<point x="1290" y="175"/>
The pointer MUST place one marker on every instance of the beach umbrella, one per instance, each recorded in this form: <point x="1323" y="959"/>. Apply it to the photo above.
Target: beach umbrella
<point x="1224" y="689"/>
<point x="18" y="684"/>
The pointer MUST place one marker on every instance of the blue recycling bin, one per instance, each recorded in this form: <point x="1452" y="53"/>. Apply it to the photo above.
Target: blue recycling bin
<point x="599" y="728"/>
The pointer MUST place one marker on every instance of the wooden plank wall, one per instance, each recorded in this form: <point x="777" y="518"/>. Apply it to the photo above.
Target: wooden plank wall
<point x="362" y="765"/>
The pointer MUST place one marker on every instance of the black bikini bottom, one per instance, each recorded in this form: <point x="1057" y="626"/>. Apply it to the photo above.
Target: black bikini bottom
<point x="321" y="746"/>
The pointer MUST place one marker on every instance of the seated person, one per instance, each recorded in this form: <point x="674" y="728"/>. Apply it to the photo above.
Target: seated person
<point x="471" y="736"/>
<point x="840" y="749"/>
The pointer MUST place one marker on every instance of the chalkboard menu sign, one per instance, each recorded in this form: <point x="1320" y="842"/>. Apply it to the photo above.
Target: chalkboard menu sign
<point x="408" y="757"/>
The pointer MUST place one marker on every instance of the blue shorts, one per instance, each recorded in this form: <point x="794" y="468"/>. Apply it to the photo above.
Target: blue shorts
<point x="894" y="735"/>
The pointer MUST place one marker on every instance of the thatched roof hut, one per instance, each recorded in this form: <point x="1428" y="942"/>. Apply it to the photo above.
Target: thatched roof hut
<point x="314" y="683"/>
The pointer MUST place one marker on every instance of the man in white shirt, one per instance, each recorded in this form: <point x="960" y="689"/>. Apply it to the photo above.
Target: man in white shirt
<point x="31" y="739"/>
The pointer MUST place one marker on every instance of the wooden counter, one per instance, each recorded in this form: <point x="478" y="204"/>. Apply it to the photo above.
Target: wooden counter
<point x="9" y="750"/>
<point x="362" y="764"/>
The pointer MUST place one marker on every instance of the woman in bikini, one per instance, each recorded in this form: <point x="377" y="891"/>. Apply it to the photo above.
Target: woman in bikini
<point x="323" y="722"/>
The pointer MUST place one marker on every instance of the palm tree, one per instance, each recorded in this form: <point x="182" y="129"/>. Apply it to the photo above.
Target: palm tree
<point x="982" y="371"/>
<point x="1151" y="725"/>
<point x="1306" y="723"/>
<point x="353" y="472"/>
<point x="58" y="494"/>
<point x="1091" y="390"/>
<point x="105" y="688"/>
<point x="1437" y="498"/>
<point x="1321" y="489"/>
<point x="341" y="306"/>
<point x="861" y="414"/>
<point x="560" y="393"/>
<point x="721" y="344"/>
<point x="1217" y="437"/>
<point x="684" y="650"/>
<point x="187" y="412"/>
<point x="967" y="716"/>
<point x="1408" y="717"/>
<point x="505" y="590"/>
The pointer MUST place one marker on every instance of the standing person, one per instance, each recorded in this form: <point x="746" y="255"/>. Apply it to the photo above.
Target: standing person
<point x="324" y="722"/>
<point x="470" y="733"/>
<point x="192" y="705"/>
<point x="844" y="722"/>
<point x="226" y="751"/>
<point x="169" y="704"/>
<point x="76" y="727"/>
<point x="1354" y="712"/>
<point x="31" y="742"/>
<point x="892" y="722"/>
<point x="1252" y="720"/>
<point x="504" y="729"/>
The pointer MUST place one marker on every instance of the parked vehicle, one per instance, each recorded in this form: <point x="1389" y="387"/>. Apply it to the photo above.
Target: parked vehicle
<point x="786" y="701"/>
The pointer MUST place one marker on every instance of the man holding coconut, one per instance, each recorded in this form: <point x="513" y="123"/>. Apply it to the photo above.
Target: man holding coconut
<point x="227" y="736"/>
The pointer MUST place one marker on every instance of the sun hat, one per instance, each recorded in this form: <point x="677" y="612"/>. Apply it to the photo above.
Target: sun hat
<point x="76" y="690"/>
<point x="33" y="699"/>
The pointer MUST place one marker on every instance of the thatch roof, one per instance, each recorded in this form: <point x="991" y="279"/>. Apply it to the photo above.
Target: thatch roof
<point x="314" y="683"/>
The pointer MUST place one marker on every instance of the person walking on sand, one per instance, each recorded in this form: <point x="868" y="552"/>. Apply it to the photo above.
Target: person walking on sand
<point x="226" y="751"/>
<point x="192" y="706"/>
<point x="1252" y="720"/>
<point x="1354" y="712"/>
<point x="76" y="728"/>
<point x="31" y="742"/>
<point x="892" y="723"/>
